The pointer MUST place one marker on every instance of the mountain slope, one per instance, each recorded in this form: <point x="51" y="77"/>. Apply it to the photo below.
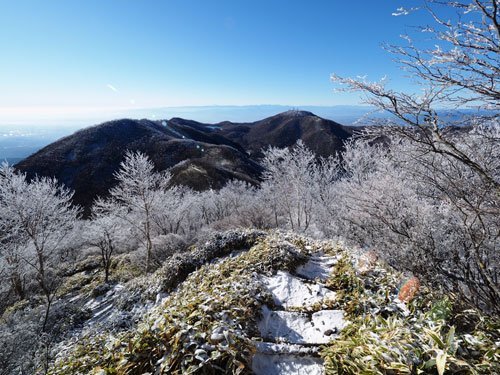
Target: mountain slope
<point x="87" y="160"/>
<point x="324" y="137"/>
<point x="202" y="156"/>
<point x="252" y="302"/>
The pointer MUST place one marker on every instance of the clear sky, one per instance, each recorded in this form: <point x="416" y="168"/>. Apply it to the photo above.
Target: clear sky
<point x="92" y="55"/>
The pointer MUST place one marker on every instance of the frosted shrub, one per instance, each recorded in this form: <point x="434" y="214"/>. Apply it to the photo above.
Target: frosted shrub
<point x="425" y="213"/>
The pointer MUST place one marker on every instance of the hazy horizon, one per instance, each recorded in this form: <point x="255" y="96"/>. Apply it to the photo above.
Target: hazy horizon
<point x="22" y="138"/>
<point x="210" y="113"/>
<point x="65" y="60"/>
<point x="69" y="65"/>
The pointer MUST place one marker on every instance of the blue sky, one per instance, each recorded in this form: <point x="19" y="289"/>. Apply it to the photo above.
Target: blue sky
<point x="81" y="56"/>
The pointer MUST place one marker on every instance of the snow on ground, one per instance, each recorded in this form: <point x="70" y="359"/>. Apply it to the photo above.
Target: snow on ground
<point x="102" y="306"/>
<point x="300" y="328"/>
<point x="264" y="364"/>
<point x="317" y="267"/>
<point x="285" y="348"/>
<point x="290" y="291"/>
<point x="292" y="338"/>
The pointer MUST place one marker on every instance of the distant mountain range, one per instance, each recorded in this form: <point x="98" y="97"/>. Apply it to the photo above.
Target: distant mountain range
<point x="21" y="136"/>
<point x="200" y="155"/>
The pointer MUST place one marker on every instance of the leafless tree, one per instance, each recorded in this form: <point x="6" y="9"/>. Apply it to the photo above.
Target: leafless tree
<point x="140" y="190"/>
<point x="35" y="217"/>
<point x="106" y="231"/>
<point x="457" y="65"/>
<point x="289" y="181"/>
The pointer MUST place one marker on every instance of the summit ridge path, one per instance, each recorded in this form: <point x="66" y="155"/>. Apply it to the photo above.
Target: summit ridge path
<point x="291" y="330"/>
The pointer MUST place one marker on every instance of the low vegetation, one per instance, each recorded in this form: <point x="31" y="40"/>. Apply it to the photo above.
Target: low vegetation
<point x="204" y="326"/>
<point x="434" y="333"/>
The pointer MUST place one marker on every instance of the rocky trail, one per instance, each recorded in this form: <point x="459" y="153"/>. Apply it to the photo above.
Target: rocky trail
<point x="294" y="328"/>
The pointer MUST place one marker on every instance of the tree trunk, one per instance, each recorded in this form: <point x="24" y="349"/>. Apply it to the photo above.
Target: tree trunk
<point x="149" y="244"/>
<point x="18" y="285"/>
<point x="47" y="310"/>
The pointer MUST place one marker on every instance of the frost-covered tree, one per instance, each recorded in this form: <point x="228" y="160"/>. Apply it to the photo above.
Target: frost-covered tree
<point x="106" y="231"/>
<point x="177" y="202"/>
<point x="472" y="208"/>
<point x="223" y="207"/>
<point x="456" y="64"/>
<point x="377" y="204"/>
<point x="393" y="199"/>
<point x="237" y="204"/>
<point x="35" y="217"/>
<point x="288" y="182"/>
<point x="14" y="271"/>
<point x="455" y="58"/>
<point x="140" y="189"/>
<point x="253" y="207"/>
<point x="326" y="174"/>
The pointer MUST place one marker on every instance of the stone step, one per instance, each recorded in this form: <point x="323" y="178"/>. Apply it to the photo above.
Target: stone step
<point x="292" y="338"/>
<point x="273" y="348"/>
<point x="286" y="364"/>
<point x="300" y="328"/>
<point x="291" y="291"/>
<point x="317" y="267"/>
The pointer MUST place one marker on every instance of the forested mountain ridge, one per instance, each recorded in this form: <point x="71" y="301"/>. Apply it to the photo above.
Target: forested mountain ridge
<point x="202" y="156"/>
<point x="324" y="137"/>
<point x="86" y="161"/>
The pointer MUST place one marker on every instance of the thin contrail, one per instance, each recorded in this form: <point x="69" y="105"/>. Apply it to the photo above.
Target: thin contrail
<point x="112" y="87"/>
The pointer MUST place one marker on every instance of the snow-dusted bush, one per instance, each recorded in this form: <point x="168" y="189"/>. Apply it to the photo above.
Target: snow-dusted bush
<point x="428" y="334"/>
<point x="424" y="212"/>
<point x="176" y="268"/>
<point x="19" y="339"/>
<point x="165" y="246"/>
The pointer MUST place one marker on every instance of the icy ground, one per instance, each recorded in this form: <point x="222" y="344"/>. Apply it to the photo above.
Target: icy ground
<point x="291" y="338"/>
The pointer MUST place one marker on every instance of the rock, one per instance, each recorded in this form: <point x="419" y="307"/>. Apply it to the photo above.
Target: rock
<point x="100" y="290"/>
<point x="408" y="290"/>
<point x="475" y="354"/>
<point x="367" y="262"/>
<point x="330" y="332"/>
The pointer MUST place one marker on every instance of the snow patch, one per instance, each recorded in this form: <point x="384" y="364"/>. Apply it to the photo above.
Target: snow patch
<point x="317" y="267"/>
<point x="290" y="291"/>
<point x="299" y="328"/>
<point x="264" y="364"/>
